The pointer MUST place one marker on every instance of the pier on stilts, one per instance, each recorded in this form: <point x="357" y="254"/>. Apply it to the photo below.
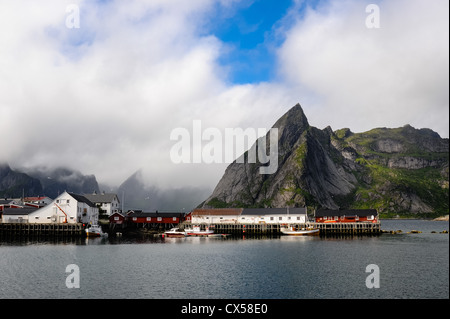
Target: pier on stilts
<point x="53" y="229"/>
<point x="326" y="229"/>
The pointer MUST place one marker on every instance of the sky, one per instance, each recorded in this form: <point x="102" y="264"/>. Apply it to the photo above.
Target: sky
<point x="100" y="88"/>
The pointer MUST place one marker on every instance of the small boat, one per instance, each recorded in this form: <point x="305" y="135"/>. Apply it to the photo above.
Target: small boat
<point x="175" y="233"/>
<point x="95" y="231"/>
<point x="196" y="231"/>
<point x="307" y="231"/>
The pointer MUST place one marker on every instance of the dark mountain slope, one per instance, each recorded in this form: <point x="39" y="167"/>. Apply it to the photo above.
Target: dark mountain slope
<point x="399" y="171"/>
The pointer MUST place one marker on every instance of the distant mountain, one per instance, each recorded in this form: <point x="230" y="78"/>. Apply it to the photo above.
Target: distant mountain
<point x="398" y="171"/>
<point x="137" y="194"/>
<point x="57" y="180"/>
<point x="14" y="184"/>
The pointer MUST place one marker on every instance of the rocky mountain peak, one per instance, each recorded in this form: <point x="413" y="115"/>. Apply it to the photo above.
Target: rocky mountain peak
<point x="291" y="125"/>
<point x="395" y="170"/>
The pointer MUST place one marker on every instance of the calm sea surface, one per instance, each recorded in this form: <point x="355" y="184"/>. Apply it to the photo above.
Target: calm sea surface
<point x="410" y="265"/>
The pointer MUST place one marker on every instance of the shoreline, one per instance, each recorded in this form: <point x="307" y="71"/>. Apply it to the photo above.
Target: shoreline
<point x="444" y="218"/>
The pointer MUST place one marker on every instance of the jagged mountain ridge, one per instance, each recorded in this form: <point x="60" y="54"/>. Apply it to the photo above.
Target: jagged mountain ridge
<point x="15" y="184"/>
<point x="57" y="180"/>
<point x="397" y="171"/>
<point x="39" y="181"/>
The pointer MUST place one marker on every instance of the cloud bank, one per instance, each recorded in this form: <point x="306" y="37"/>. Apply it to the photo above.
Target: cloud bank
<point x="103" y="98"/>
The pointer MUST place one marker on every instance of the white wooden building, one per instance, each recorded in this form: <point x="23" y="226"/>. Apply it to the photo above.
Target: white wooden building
<point x="108" y="202"/>
<point x="248" y="216"/>
<point x="18" y="214"/>
<point x="39" y="200"/>
<point x="66" y="208"/>
<point x="215" y="215"/>
<point x="273" y="216"/>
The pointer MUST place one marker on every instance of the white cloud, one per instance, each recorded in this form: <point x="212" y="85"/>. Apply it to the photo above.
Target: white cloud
<point x="364" y="78"/>
<point x="103" y="98"/>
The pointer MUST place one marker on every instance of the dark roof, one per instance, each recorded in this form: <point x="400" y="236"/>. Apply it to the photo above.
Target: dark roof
<point x="216" y="211"/>
<point x="155" y="214"/>
<point x="274" y="211"/>
<point x="81" y="198"/>
<point x="6" y="201"/>
<point x="116" y="213"/>
<point x="346" y="212"/>
<point x="19" y="211"/>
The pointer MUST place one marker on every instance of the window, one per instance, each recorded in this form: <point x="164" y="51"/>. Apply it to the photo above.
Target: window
<point x="68" y="201"/>
<point x="57" y="201"/>
<point x="159" y="219"/>
<point x="149" y="219"/>
<point x="37" y="217"/>
<point x="298" y="217"/>
<point x="174" y="219"/>
<point x="116" y="218"/>
<point x="134" y="219"/>
<point x="271" y="218"/>
<point x="280" y="218"/>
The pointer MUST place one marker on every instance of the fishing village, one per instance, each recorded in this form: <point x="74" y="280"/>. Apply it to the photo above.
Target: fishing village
<point x="97" y="215"/>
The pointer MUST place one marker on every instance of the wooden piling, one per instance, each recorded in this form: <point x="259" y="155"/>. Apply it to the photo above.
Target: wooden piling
<point x="29" y="230"/>
<point x="326" y="229"/>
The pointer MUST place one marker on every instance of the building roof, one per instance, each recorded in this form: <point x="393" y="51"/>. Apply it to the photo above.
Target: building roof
<point x="216" y="211"/>
<point x="81" y="198"/>
<point x="117" y="213"/>
<point x="20" y="211"/>
<point x="36" y="198"/>
<point x="6" y="201"/>
<point x="155" y="214"/>
<point x="274" y="211"/>
<point x="346" y="212"/>
<point x="102" y="198"/>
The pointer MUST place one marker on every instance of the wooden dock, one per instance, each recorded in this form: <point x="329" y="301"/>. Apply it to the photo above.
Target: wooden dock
<point x="26" y="229"/>
<point x="357" y="228"/>
<point x="326" y="229"/>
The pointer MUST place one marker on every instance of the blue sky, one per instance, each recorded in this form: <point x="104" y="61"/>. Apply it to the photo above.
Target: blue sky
<point x="250" y="29"/>
<point x="251" y="34"/>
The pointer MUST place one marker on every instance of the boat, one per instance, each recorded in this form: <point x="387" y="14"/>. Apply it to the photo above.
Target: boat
<point x="196" y="231"/>
<point x="95" y="231"/>
<point x="306" y="231"/>
<point x="175" y="233"/>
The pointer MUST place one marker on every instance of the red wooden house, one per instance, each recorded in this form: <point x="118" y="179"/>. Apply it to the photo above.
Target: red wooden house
<point x="346" y="215"/>
<point x="154" y="220"/>
<point x="117" y="218"/>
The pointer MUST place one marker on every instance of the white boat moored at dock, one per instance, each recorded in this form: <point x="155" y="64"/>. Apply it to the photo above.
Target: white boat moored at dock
<point x="95" y="231"/>
<point x="305" y="231"/>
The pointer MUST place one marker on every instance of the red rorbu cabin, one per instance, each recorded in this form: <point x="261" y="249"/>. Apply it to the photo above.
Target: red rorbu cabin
<point x="117" y="218"/>
<point x="160" y="220"/>
<point x="346" y="215"/>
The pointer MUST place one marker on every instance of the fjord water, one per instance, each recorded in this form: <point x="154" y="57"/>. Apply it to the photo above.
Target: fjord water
<point x="411" y="266"/>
